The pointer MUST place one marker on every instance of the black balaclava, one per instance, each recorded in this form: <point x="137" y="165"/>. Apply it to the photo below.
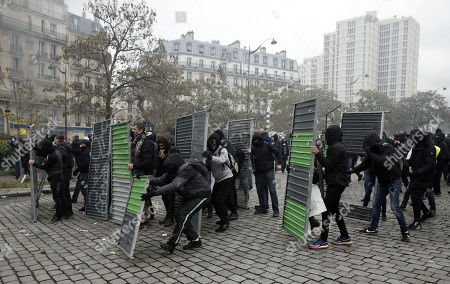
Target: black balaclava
<point x="374" y="142"/>
<point x="173" y="163"/>
<point x="220" y="133"/>
<point x="333" y="134"/>
<point x="439" y="137"/>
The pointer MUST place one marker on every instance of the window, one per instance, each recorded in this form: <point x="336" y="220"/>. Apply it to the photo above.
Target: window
<point x="291" y="65"/>
<point x="265" y="60"/>
<point x="15" y="67"/>
<point x="77" y="61"/>
<point x="41" y="49"/>
<point x="201" y="49"/>
<point x="213" y="65"/>
<point x="189" y="76"/>
<point x="256" y="71"/>
<point x="235" y="81"/>
<point x="88" y="63"/>
<point x="53" y="29"/>
<point x="188" y="47"/>
<point x="42" y="26"/>
<point x="224" y="53"/>
<point x="235" y="55"/>
<point x="88" y="121"/>
<point x="41" y="72"/>
<point x="265" y="72"/>
<point x="256" y="58"/>
<point x="53" y="72"/>
<point x="200" y="63"/>
<point x="53" y="50"/>
<point x="275" y="74"/>
<point x="212" y="51"/>
<point x="201" y="76"/>
<point x="235" y="68"/>
<point x="188" y="61"/>
<point x="284" y="75"/>
<point x="283" y="64"/>
<point x="176" y="46"/>
<point x="275" y="62"/>
<point x="88" y="82"/>
<point x="15" y="41"/>
<point x="224" y="66"/>
<point x="77" y="119"/>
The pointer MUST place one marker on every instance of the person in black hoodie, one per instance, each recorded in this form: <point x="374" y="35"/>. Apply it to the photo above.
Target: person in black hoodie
<point x="189" y="180"/>
<point x="335" y="165"/>
<point x="76" y="151"/>
<point x="385" y="163"/>
<point x="164" y="148"/>
<point x="54" y="168"/>
<point x="421" y="169"/>
<point x="82" y="171"/>
<point x="67" y="161"/>
<point x="442" y="162"/>
<point x="262" y="158"/>
<point x="284" y="154"/>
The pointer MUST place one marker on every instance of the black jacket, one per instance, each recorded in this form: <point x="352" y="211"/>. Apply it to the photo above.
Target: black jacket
<point x="336" y="161"/>
<point x="76" y="151"/>
<point x="145" y="159"/>
<point x="263" y="154"/>
<point x="53" y="164"/>
<point x="67" y="158"/>
<point x="185" y="178"/>
<point x="382" y="160"/>
<point x="84" y="160"/>
<point x="422" y="163"/>
<point x="284" y="148"/>
<point x="443" y="156"/>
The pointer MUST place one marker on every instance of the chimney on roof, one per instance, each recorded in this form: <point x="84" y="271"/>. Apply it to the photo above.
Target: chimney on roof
<point x="235" y="44"/>
<point x="282" y="53"/>
<point x="215" y="41"/>
<point x="190" y="35"/>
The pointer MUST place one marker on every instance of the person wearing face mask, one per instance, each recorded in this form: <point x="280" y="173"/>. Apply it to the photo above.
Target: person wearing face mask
<point x="385" y="163"/>
<point x="54" y="168"/>
<point x="188" y="179"/>
<point x="82" y="171"/>
<point x="164" y="148"/>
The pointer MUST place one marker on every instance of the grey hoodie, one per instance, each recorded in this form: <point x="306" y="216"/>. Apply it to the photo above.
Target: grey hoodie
<point x="219" y="165"/>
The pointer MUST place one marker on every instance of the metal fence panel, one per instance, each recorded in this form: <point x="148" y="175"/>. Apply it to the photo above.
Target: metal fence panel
<point x="240" y="135"/>
<point x="301" y="162"/>
<point x="183" y="135"/>
<point x="356" y="125"/>
<point x="121" y="175"/>
<point x="98" y="194"/>
<point x="132" y="216"/>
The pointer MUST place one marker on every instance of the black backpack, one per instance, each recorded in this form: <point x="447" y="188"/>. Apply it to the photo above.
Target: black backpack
<point x="232" y="163"/>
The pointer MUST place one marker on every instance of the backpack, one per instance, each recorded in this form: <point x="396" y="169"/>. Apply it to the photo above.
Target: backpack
<point x="232" y="163"/>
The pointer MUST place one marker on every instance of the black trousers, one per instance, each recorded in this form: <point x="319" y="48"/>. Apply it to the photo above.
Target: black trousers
<point x="283" y="163"/>
<point x="81" y="185"/>
<point x="417" y="202"/>
<point x="332" y="199"/>
<point x="169" y="204"/>
<point x="221" y="192"/>
<point x="231" y="200"/>
<point x="66" y="196"/>
<point x="437" y="179"/>
<point x="187" y="209"/>
<point x="56" y="185"/>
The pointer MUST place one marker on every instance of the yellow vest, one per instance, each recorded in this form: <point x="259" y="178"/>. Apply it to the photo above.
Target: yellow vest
<point x="438" y="150"/>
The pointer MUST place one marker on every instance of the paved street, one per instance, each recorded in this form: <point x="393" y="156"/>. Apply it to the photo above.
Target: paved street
<point x="255" y="250"/>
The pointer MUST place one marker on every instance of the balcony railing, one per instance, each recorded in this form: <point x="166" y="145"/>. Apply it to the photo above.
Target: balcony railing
<point x="6" y="95"/>
<point x="26" y="27"/>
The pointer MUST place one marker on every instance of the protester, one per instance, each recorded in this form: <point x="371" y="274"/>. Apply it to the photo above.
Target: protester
<point x="82" y="171"/>
<point x="421" y="168"/>
<point x="284" y="154"/>
<point x="217" y="160"/>
<point x="188" y="180"/>
<point x="384" y="164"/>
<point x="24" y="157"/>
<point x="263" y="155"/>
<point x="76" y="150"/>
<point x="336" y="178"/>
<point x="442" y="161"/>
<point x="54" y="168"/>
<point x="67" y="161"/>
<point x="164" y="148"/>
<point x="144" y="161"/>
<point x="13" y="150"/>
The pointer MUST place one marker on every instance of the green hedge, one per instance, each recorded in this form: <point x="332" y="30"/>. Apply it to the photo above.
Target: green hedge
<point x="4" y="149"/>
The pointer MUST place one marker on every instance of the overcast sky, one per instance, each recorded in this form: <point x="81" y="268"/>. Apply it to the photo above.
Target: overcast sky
<point x="298" y="26"/>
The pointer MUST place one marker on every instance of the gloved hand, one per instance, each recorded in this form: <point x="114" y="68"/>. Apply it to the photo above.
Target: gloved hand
<point x="413" y="174"/>
<point x="148" y="195"/>
<point x="405" y="181"/>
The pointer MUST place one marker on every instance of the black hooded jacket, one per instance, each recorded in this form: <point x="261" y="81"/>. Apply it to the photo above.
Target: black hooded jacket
<point x="167" y="147"/>
<point x="382" y="160"/>
<point x="67" y="158"/>
<point x="84" y="159"/>
<point x="262" y="158"/>
<point x="188" y="179"/>
<point x="336" y="161"/>
<point x="53" y="164"/>
<point x="144" y="154"/>
<point x="443" y="156"/>
<point x="422" y="163"/>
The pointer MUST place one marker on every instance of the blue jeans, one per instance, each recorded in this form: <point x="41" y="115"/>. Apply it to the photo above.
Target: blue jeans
<point x="266" y="182"/>
<point x="382" y="191"/>
<point x="369" y="183"/>
<point x="430" y="195"/>
<point x="17" y="169"/>
<point x="406" y="197"/>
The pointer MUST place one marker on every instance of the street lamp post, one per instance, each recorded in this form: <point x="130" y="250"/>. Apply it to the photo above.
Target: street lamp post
<point x="250" y="52"/>
<point x="65" y="98"/>
<point x="365" y="75"/>
<point x="7" y="111"/>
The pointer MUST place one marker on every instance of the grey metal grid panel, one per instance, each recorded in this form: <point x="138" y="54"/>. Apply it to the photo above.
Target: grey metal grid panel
<point x="128" y="233"/>
<point x="199" y="134"/>
<point x="356" y="125"/>
<point x="98" y="194"/>
<point x="183" y="135"/>
<point x="119" y="198"/>
<point x="304" y="115"/>
<point x="298" y="184"/>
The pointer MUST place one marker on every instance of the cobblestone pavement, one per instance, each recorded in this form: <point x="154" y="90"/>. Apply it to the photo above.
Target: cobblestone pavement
<point x="255" y="250"/>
